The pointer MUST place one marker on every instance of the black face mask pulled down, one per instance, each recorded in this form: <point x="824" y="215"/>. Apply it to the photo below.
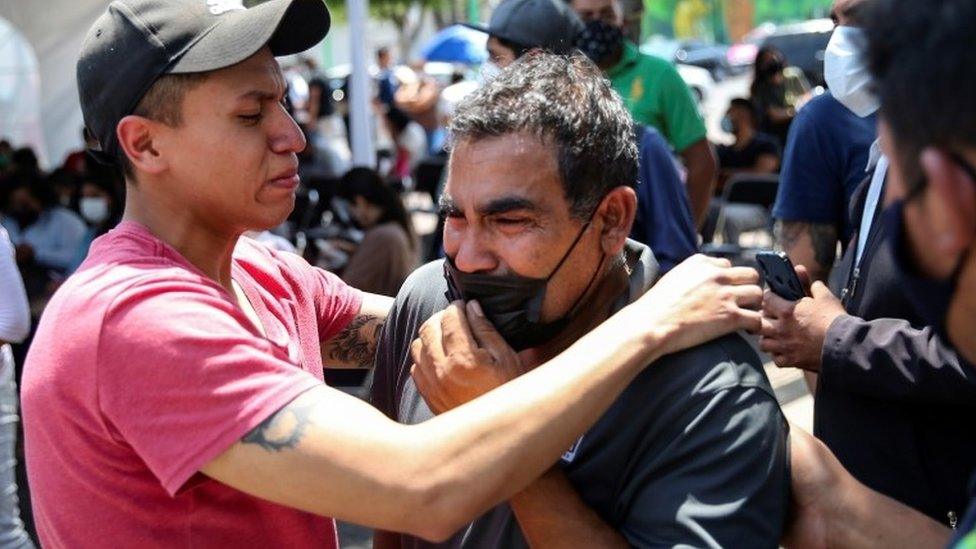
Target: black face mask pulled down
<point x="600" y="41"/>
<point x="513" y="303"/>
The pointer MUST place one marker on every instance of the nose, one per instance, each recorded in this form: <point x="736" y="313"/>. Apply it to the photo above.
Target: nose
<point x="470" y="253"/>
<point x="285" y="135"/>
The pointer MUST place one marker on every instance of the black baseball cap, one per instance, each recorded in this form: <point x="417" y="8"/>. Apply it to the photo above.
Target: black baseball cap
<point x="548" y="24"/>
<point x="136" y="41"/>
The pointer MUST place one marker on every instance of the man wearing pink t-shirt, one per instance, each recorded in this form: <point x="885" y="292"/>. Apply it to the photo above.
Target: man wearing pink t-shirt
<point x="173" y="396"/>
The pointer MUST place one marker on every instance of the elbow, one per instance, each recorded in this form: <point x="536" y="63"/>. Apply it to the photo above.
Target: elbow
<point x="441" y="509"/>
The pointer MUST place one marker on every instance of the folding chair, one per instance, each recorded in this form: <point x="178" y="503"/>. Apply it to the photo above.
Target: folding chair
<point x="743" y="189"/>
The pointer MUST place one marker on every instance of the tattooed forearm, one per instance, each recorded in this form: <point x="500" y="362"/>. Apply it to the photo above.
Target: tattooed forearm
<point x="787" y="234"/>
<point x="283" y="429"/>
<point x="812" y="245"/>
<point x="356" y="345"/>
<point x="824" y="238"/>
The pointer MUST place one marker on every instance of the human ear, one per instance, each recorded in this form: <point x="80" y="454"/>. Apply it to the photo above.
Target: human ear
<point x="135" y="135"/>
<point x="617" y="210"/>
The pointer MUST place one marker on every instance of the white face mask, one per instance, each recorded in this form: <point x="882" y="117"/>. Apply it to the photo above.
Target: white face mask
<point x="93" y="209"/>
<point x="489" y="71"/>
<point x="846" y="71"/>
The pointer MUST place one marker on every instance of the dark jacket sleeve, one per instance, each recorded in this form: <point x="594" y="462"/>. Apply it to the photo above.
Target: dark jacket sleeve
<point x="721" y="481"/>
<point x="888" y="359"/>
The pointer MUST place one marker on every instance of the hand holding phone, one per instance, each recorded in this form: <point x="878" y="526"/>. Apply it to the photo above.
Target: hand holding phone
<point x="780" y="275"/>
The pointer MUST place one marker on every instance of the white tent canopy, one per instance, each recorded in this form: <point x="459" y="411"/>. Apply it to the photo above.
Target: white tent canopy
<point x="55" y="29"/>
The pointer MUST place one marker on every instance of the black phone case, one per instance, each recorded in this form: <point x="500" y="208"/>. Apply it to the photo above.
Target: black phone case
<point x="780" y="276"/>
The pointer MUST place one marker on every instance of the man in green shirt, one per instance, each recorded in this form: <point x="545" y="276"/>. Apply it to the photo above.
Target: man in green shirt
<point x="653" y="92"/>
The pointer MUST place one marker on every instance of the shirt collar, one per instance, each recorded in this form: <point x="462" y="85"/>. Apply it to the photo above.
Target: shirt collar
<point x="629" y="57"/>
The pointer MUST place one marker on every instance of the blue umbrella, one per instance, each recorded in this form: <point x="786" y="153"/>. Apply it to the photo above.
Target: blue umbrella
<point x="456" y="44"/>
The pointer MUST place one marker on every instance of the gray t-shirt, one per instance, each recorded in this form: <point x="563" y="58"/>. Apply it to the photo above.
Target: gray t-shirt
<point x="693" y="453"/>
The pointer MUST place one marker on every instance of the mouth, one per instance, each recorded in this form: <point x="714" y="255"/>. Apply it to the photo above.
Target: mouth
<point x="288" y="180"/>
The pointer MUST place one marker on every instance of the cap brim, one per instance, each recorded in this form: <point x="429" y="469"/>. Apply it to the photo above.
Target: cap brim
<point x="286" y="26"/>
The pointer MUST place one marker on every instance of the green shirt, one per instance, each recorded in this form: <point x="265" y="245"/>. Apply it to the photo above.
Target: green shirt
<point x="655" y="95"/>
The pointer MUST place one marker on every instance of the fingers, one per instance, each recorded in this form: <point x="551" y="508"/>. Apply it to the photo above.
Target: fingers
<point x="775" y="306"/>
<point x="738" y="276"/>
<point x="430" y="335"/>
<point x="485" y="334"/>
<point x="820" y="290"/>
<point x="750" y="321"/>
<point x="455" y="329"/>
<point x="749" y="296"/>
<point x="426" y="386"/>
<point x="717" y="261"/>
<point x="804" y="275"/>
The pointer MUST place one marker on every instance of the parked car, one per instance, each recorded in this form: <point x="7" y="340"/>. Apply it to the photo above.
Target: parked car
<point x="804" y="45"/>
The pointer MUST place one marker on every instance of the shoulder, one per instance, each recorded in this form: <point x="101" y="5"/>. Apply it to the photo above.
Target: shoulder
<point x="723" y="365"/>
<point x="656" y="64"/>
<point x="65" y="216"/>
<point x="823" y="109"/>
<point x="423" y="292"/>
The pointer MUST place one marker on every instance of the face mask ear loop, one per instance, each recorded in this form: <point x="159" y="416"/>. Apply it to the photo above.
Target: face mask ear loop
<point x="589" y="286"/>
<point x="573" y="245"/>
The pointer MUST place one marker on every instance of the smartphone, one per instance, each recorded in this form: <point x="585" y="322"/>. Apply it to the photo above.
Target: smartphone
<point x="780" y="276"/>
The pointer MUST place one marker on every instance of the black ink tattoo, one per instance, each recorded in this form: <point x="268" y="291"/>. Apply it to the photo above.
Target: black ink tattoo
<point x="356" y="345"/>
<point x="283" y="429"/>
<point x="823" y="240"/>
<point x="787" y="233"/>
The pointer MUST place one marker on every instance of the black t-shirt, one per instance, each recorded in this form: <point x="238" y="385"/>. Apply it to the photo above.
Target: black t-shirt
<point x="692" y="453"/>
<point x="731" y="158"/>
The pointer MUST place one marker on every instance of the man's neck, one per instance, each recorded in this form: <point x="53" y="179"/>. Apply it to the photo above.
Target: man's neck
<point x="206" y="248"/>
<point x="612" y="61"/>
<point x="594" y="308"/>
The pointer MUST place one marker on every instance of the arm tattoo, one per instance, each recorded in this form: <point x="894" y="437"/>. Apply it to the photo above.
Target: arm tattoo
<point x="283" y="429"/>
<point x="356" y="344"/>
<point x="787" y="233"/>
<point x="823" y="240"/>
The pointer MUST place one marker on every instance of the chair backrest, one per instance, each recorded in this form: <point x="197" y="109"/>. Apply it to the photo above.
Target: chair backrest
<point x="752" y="188"/>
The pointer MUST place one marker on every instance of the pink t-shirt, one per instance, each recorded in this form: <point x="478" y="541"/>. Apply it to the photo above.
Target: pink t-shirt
<point x="143" y="370"/>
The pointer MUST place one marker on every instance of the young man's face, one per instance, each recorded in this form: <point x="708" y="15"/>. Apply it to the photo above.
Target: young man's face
<point x="233" y="160"/>
<point x="507" y="213"/>
<point x="607" y="11"/>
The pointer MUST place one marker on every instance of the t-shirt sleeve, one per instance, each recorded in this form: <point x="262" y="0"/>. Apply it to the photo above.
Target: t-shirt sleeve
<point x="336" y="303"/>
<point x="721" y="482"/>
<point x="684" y="125"/>
<point x="183" y="375"/>
<point x="811" y="187"/>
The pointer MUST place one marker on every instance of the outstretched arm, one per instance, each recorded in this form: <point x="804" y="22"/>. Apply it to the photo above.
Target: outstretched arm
<point x="832" y="509"/>
<point x="333" y="455"/>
